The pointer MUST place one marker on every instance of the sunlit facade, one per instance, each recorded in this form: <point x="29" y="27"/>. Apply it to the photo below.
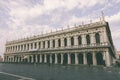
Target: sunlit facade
<point x="83" y="44"/>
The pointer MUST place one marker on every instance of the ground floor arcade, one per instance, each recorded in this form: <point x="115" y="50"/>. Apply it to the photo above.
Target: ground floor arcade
<point x="86" y="58"/>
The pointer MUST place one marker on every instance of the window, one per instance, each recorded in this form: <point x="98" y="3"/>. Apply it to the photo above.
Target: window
<point x="88" y="39"/>
<point x="97" y="37"/>
<point x="72" y="41"/>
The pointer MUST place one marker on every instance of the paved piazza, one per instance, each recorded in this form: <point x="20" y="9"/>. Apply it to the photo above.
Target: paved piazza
<point x="56" y="72"/>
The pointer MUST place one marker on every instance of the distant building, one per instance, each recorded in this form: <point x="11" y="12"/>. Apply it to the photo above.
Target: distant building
<point x="84" y="44"/>
<point x="1" y="59"/>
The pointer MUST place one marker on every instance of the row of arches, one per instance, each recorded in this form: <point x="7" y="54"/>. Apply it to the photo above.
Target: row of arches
<point x="64" y="58"/>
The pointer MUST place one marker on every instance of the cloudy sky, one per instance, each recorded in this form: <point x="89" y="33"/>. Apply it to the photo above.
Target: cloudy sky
<point x="25" y="18"/>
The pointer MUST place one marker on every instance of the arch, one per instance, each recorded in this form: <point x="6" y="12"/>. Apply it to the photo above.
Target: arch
<point x="53" y="58"/>
<point x="59" y="43"/>
<point x="97" y="38"/>
<point x="43" y="58"/>
<point x="65" y="41"/>
<point x="79" y="40"/>
<point x="72" y="56"/>
<point x="80" y="58"/>
<point x="48" y="58"/>
<point x="72" y="41"/>
<point x="88" y="39"/>
<point x="59" y="58"/>
<point x="99" y="58"/>
<point x="89" y="58"/>
<point x="65" y="58"/>
<point x="53" y="43"/>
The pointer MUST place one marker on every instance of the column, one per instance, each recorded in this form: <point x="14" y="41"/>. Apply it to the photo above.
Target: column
<point x="68" y="42"/>
<point x="56" y="60"/>
<point x="107" y="60"/>
<point x="56" y="43"/>
<point x="69" y="59"/>
<point x="50" y="58"/>
<point x="26" y="47"/>
<point x="29" y="46"/>
<point x="20" y="48"/>
<point x="51" y="43"/>
<point x="101" y="37"/>
<point x="83" y="39"/>
<point x="76" y="58"/>
<point x="45" y="58"/>
<point x="36" y="59"/>
<point x="46" y="44"/>
<point x="41" y="44"/>
<point x="94" y="59"/>
<point x="76" y="40"/>
<point x="92" y="38"/>
<point x="37" y="43"/>
<point x="40" y="58"/>
<point x="62" y="42"/>
<point x="23" y="47"/>
<point x="61" y="58"/>
<point x="84" y="58"/>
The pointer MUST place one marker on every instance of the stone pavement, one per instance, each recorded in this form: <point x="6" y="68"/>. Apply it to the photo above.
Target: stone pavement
<point x="56" y="72"/>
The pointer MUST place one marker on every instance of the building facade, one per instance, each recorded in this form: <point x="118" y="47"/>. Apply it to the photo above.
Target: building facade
<point x="118" y="55"/>
<point x="84" y="44"/>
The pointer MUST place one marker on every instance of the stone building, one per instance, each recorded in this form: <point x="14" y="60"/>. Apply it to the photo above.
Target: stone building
<point x="84" y="44"/>
<point x="118" y="55"/>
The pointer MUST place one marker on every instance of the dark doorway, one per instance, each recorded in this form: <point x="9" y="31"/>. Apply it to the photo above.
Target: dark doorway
<point x="99" y="58"/>
<point x="80" y="58"/>
<point x="65" y="58"/>
<point x="72" y="58"/>
<point x="42" y="58"/>
<point x="59" y="58"/>
<point x="89" y="59"/>
<point x="53" y="58"/>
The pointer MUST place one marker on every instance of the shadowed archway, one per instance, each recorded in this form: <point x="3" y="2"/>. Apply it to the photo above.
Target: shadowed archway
<point x="72" y="56"/>
<point x="80" y="58"/>
<point x="65" y="58"/>
<point x="99" y="58"/>
<point x="59" y="58"/>
<point x="89" y="58"/>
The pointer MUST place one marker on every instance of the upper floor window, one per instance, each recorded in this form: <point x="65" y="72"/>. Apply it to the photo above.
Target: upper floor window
<point x="88" y="39"/>
<point x="53" y="43"/>
<point x="59" y="43"/>
<point x="65" y="42"/>
<point x="97" y="38"/>
<point x="79" y="40"/>
<point x="72" y="41"/>
<point x="48" y="44"/>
